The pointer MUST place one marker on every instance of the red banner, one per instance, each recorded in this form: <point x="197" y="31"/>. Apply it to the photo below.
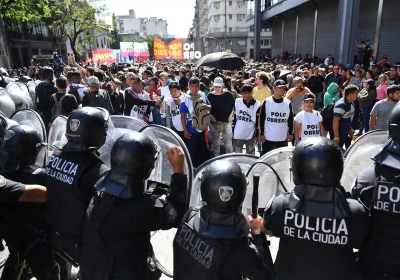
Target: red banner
<point x="101" y="56"/>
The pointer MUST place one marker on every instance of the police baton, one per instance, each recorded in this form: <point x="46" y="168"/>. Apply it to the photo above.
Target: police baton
<point x="254" y="199"/>
<point x="42" y="237"/>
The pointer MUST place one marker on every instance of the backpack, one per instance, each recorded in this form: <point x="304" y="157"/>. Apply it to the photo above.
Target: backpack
<point x="327" y="116"/>
<point x="58" y="108"/>
<point x="74" y="91"/>
<point x="200" y="118"/>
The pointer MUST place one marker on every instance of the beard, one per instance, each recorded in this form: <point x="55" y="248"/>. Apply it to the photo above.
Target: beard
<point x="394" y="100"/>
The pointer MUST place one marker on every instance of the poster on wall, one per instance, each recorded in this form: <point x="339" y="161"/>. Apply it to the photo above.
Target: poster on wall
<point x="103" y="56"/>
<point x="117" y="55"/>
<point x="176" y="49"/>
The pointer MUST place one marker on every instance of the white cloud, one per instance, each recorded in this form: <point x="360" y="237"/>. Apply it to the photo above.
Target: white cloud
<point x="178" y="13"/>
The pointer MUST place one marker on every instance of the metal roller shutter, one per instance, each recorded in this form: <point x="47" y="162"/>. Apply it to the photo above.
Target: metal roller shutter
<point x="390" y="35"/>
<point x="367" y="20"/>
<point x="289" y="34"/>
<point x="306" y="29"/>
<point x="326" y="40"/>
<point x="276" y="37"/>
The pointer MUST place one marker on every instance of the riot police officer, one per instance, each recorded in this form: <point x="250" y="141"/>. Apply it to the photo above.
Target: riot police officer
<point x="22" y="147"/>
<point x="378" y="189"/>
<point x="43" y="92"/>
<point x="213" y="242"/>
<point x="71" y="174"/>
<point x="123" y="211"/>
<point x="317" y="224"/>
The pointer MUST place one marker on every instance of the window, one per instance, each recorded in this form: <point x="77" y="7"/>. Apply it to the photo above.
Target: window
<point x="252" y="42"/>
<point x="216" y="18"/>
<point x="240" y="4"/>
<point x="252" y="28"/>
<point x="230" y="29"/>
<point x="230" y="16"/>
<point x="230" y="3"/>
<point x="241" y="43"/>
<point x="230" y="42"/>
<point x="240" y="17"/>
<point x="216" y="5"/>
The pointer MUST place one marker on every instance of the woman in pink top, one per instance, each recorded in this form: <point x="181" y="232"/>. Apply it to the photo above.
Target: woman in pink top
<point x="381" y="89"/>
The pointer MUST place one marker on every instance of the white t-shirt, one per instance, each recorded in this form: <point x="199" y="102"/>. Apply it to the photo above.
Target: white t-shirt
<point x="81" y="89"/>
<point x="175" y="113"/>
<point x="165" y="92"/>
<point x="245" y="119"/>
<point x="310" y="123"/>
<point x="139" y="111"/>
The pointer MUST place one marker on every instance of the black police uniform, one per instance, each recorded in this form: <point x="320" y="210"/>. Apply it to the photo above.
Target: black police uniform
<point x="213" y="242"/>
<point x="317" y="225"/>
<point x="21" y="146"/>
<point x="120" y="216"/>
<point x="10" y="191"/>
<point x="198" y="255"/>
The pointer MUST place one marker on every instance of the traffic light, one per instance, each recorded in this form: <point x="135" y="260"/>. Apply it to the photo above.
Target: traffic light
<point x="191" y="35"/>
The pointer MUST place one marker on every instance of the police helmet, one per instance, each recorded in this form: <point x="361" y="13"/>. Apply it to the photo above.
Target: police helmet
<point x="317" y="161"/>
<point x="24" y="79"/>
<point x="394" y="123"/>
<point x="87" y="126"/>
<point x="3" y="72"/>
<point x="135" y="154"/>
<point x="22" y="143"/>
<point x="223" y="186"/>
<point x="46" y="72"/>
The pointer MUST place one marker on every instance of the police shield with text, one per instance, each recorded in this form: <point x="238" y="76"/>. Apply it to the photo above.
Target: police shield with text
<point x="21" y="146"/>
<point x="71" y="174"/>
<point x="378" y="189"/>
<point x="213" y="242"/>
<point x="317" y="225"/>
<point x="125" y="210"/>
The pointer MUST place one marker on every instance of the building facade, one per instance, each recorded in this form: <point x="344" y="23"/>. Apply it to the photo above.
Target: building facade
<point x="130" y="24"/>
<point x="321" y="27"/>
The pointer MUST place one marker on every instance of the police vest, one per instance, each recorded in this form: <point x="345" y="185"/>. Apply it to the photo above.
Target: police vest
<point x="195" y="257"/>
<point x="65" y="200"/>
<point x="384" y="242"/>
<point x="324" y="246"/>
<point x="276" y="119"/>
<point x="245" y="119"/>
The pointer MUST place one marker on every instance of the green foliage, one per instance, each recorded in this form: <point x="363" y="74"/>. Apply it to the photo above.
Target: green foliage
<point x="73" y="17"/>
<point x="114" y="38"/>
<point x="24" y="10"/>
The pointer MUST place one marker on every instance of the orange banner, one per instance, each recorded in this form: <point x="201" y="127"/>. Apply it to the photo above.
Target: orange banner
<point x="173" y="50"/>
<point x="159" y="49"/>
<point x="101" y="56"/>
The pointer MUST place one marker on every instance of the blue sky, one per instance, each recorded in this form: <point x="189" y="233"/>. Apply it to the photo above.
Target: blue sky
<point x="178" y="13"/>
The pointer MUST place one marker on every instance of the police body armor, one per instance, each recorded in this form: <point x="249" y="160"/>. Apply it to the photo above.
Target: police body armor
<point x="201" y="248"/>
<point x="375" y="255"/>
<point x="64" y="171"/>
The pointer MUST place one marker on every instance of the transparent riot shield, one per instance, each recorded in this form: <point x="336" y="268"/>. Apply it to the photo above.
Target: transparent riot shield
<point x="57" y="138"/>
<point x="118" y="126"/>
<point x="32" y="119"/>
<point x="281" y="161"/>
<point x="7" y="106"/>
<point x="20" y="96"/>
<point x="358" y="155"/>
<point x="162" y="240"/>
<point x="32" y="93"/>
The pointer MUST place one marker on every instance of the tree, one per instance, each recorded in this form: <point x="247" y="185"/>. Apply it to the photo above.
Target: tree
<point x="24" y="10"/>
<point x="114" y="38"/>
<point x="74" y="17"/>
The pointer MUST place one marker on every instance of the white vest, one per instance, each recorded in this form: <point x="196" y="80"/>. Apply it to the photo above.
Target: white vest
<point x="139" y="111"/>
<point x="175" y="114"/>
<point x="245" y="119"/>
<point x="276" y="120"/>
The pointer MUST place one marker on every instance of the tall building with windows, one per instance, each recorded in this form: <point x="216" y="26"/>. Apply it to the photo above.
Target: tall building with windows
<point x="130" y="24"/>
<point x="222" y="26"/>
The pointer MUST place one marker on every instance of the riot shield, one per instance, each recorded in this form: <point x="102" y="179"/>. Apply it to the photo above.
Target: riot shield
<point x="57" y="138"/>
<point x="20" y="96"/>
<point x="32" y="119"/>
<point x="358" y="155"/>
<point x="118" y="126"/>
<point x="32" y="93"/>
<point x="280" y="161"/>
<point x="162" y="240"/>
<point x="7" y="106"/>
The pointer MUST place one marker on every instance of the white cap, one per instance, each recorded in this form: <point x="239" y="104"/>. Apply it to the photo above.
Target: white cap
<point x="93" y="81"/>
<point x="218" y="82"/>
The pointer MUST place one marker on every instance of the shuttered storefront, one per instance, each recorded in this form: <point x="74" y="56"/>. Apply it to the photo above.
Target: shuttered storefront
<point x="289" y="34"/>
<point x="326" y="40"/>
<point x="390" y="35"/>
<point x="306" y="29"/>
<point x="276" y="37"/>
